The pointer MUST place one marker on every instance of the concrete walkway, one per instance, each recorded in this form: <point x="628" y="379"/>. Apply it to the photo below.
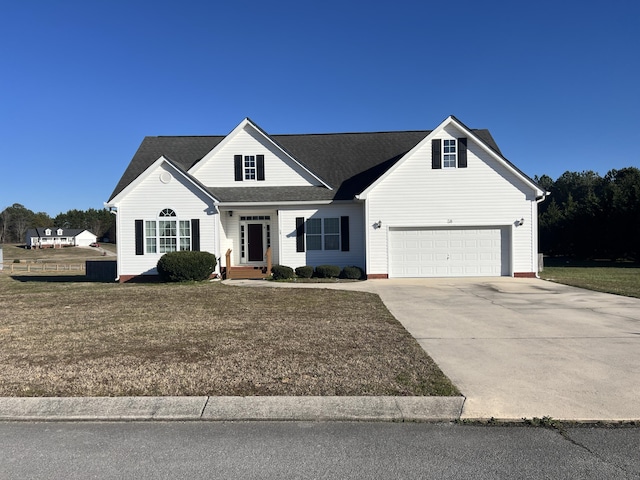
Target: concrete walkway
<point x="521" y="348"/>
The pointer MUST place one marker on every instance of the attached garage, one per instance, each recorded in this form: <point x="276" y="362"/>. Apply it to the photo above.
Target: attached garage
<point x="449" y="252"/>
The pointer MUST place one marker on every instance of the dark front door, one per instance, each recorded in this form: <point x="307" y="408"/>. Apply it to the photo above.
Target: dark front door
<point x="255" y="247"/>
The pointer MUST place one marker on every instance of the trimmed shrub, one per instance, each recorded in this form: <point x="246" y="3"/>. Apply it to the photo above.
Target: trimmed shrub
<point x="327" y="271"/>
<point x="352" y="272"/>
<point x="281" y="272"/>
<point x="304" y="272"/>
<point x="185" y="266"/>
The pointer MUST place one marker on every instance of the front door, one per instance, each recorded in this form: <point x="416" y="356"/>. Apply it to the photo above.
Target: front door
<point x="255" y="246"/>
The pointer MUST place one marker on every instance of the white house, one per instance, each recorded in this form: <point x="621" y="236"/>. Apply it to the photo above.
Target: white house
<point x="58" y="237"/>
<point x="440" y="203"/>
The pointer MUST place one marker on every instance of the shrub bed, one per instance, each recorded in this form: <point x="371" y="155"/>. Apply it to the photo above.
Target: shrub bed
<point x="327" y="271"/>
<point x="304" y="272"/>
<point x="352" y="273"/>
<point x="186" y="266"/>
<point x="281" y="272"/>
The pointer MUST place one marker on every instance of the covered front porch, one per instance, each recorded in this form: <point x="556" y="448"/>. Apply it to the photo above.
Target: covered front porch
<point x="247" y="242"/>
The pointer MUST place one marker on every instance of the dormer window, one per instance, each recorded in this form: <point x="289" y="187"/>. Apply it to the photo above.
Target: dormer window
<point x="47" y="232"/>
<point x="59" y="232"/>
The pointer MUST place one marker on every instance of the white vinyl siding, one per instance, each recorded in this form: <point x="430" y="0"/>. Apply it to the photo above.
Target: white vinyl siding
<point x="145" y="202"/>
<point x="486" y="194"/>
<point x="280" y="171"/>
<point x="287" y="225"/>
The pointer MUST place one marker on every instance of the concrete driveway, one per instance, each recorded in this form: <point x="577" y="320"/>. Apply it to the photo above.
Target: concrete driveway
<point x="521" y="348"/>
<point x="524" y="348"/>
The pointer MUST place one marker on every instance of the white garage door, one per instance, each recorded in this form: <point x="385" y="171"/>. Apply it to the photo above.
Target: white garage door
<point x="457" y="252"/>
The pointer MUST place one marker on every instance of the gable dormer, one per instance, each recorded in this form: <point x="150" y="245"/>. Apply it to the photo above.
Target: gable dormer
<point x="47" y="232"/>
<point x="249" y="157"/>
<point x="59" y="232"/>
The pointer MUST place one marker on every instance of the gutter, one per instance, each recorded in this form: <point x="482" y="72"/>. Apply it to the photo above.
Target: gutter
<point x="276" y="204"/>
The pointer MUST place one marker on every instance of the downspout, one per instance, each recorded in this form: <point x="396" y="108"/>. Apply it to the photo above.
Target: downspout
<point x="536" y="234"/>
<point x="216" y="243"/>
<point x="114" y="211"/>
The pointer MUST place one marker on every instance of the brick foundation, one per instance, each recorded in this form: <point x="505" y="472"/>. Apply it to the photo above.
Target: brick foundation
<point x="374" y="276"/>
<point x="524" y="275"/>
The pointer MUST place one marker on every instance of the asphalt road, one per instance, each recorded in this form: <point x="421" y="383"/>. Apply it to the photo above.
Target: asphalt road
<point x="313" y="450"/>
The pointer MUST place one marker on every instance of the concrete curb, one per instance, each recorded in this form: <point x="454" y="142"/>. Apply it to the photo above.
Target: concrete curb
<point x="381" y="409"/>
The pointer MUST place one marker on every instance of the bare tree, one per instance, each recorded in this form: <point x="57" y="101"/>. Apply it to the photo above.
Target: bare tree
<point x="5" y="222"/>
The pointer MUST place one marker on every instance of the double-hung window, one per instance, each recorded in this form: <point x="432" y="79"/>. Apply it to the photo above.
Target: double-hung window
<point x="249" y="167"/>
<point x="323" y="233"/>
<point x="449" y="153"/>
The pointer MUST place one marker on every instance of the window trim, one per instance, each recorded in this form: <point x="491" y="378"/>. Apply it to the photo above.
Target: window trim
<point x="323" y="236"/>
<point x="166" y="233"/>
<point x="249" y="171"/>
<point x="449" y="153"/>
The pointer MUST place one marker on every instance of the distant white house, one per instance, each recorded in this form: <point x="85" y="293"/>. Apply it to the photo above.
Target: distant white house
<point x="59" y="237"/>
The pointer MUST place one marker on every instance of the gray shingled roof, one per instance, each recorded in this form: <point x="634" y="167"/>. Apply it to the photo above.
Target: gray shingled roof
<point x="66" y="232"/>
<point x="348" y="162"/>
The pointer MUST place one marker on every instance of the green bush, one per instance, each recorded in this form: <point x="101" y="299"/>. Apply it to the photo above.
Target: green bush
<point x="281" y="272"/>
<point x="185" y="266"/>
<point x="327" y="271"/>
<point x="352" y="272"/>
<point x="304" y="272"/>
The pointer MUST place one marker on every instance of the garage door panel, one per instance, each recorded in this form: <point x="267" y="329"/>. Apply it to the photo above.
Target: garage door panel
<point x="448" y="252"/>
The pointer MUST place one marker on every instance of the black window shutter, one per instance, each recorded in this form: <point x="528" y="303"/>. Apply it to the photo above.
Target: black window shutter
<point x="195" y="234"/>
<point x="260" y="167"/>
<point x="238" y="167"/>
<point x="344" y="233"/>
<point x="139" y="237"/>
<point x="436" y="156"/>
<point x="299" y="234"/>
<point x="462" y="152"/>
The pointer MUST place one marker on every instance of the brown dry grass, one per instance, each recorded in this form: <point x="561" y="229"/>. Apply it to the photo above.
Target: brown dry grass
<point x="74" y="338"/>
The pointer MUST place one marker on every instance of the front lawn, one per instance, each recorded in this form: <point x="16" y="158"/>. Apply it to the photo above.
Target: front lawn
<point x="62" y="336"/>
<point x="609" y="277"/>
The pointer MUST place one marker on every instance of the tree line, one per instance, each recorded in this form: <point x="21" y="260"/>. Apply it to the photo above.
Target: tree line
<point x="17" y="219"/>
<point x="589" y="216"/>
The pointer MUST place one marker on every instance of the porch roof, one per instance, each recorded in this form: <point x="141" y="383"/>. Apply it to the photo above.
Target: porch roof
<point x="271" y="194"/>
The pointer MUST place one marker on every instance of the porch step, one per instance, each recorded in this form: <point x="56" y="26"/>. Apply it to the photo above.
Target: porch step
<point x="241" y="273"/>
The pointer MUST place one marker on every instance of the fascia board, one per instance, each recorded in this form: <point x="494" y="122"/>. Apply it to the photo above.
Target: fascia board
<point x="285" y="152"/>
<point x="366" y="191"/>
<point x="144" y="175"/>
<point x="502" y="160"/>
<point x="451" y="120"/>
<point x="218" y="147"/>
<point x="241" y="126"/>
<point x="272" y="204"/>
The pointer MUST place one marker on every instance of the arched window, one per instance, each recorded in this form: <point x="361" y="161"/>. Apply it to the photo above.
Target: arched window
<point x="167" y="233"/>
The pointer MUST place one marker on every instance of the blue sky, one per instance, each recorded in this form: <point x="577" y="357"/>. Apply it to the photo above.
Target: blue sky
<point x="82" y="82"/>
